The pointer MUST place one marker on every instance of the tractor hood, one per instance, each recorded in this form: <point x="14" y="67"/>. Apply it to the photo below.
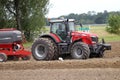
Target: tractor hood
<point x="79" y="33"/>
<point x="86" y="37"/>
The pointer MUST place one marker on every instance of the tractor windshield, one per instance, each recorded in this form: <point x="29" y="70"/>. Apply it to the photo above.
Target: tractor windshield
<point x="56" y="27"/>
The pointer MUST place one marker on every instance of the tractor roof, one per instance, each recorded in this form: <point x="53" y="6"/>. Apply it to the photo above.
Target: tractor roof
<point x="61" y="20"/>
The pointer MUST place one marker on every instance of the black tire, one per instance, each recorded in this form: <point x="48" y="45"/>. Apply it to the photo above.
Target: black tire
<point x="56" y="53"/>
<point x="26" y="58"/>
<point x="97" y="55"/>
<point x="13" y="58"/>
<point x="10" y="58"/>
<point x="80" y="50"/>
<point x="101" y="54"/>
<point x="3" y="57"/>
<point x="42" y="49"/>
<point x="16" y="58"/>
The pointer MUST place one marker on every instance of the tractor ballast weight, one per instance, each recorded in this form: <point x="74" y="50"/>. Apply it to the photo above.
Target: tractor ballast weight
<point x="11" y="47"/>
<point x="63" y="39"/>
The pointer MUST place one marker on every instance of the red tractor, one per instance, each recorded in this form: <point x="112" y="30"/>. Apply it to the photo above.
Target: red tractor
<point x="11" y="47"/>
<point x="63" y="39"/>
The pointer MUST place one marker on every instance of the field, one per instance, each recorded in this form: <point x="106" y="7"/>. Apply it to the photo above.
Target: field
<point x="101" y="32"/>
<point x="107" y="68"/>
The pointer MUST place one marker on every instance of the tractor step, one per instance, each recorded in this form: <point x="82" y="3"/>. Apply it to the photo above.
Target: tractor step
<point x="63" y="44"/>
<point x="63" y="48"/>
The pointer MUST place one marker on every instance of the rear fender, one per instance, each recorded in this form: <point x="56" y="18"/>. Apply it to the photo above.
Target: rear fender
<point x="52" y="36"/>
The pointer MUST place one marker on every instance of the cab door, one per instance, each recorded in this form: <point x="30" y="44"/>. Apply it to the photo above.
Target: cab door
<point x="59" y="29"/>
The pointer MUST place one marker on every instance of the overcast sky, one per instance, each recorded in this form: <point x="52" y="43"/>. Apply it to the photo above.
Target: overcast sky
<point x="65" y="7"/>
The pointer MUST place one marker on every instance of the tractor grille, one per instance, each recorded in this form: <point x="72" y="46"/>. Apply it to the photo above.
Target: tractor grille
<point x="94" y="39"/>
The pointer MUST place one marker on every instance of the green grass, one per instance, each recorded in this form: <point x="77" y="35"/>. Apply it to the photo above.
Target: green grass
<point x="27" y="44"/>
<point x="102" y="33"/>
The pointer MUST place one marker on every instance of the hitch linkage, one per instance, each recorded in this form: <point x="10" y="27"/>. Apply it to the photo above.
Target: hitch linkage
<point x="102" y="47"/>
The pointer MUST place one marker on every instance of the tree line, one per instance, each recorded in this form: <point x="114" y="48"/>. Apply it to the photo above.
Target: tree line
<point x="91" y="17"/>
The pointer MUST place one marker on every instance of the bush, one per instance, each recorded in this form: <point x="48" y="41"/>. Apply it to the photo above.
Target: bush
<point x="114" y="23"/>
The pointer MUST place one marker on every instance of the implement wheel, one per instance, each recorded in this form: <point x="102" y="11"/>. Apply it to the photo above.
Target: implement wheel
<point x="26" y="58"/>
<point x="3" y="57"/>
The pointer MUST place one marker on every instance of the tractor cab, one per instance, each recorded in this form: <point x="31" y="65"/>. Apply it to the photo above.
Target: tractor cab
<point x="62" y="28"/>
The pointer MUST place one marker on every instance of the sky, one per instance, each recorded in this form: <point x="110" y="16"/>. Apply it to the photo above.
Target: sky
<point x="64" y="7"/>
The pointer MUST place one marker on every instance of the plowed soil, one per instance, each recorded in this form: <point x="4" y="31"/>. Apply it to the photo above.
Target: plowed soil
<point x="107" y="68"/>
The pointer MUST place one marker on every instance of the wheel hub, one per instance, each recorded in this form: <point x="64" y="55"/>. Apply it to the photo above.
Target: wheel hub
<point x="40" y="50"/>
<point x="1" y="59"/>
<point x="78" y="51"/>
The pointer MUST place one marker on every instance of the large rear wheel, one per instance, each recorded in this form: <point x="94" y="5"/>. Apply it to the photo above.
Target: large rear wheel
<point x="56" y="53"/>
<point x="42" y="49"/>
<point x="80" y="50"/>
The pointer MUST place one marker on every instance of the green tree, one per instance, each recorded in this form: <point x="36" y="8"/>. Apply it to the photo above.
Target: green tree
<point x="114" y="23"/>
<point x="5" y="18"/>
<point x="25" y="15"/>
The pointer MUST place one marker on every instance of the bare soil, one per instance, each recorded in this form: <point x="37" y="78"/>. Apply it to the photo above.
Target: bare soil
<point x="107" y="68"/>
<point x="62" y="74"/>
<point x="115" y="52"/>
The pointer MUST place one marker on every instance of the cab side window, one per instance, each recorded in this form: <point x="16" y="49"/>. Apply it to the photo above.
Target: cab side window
<point x="59" y="29"/>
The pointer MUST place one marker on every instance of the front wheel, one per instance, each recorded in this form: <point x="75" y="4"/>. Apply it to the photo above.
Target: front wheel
<point x="80" y="50"/>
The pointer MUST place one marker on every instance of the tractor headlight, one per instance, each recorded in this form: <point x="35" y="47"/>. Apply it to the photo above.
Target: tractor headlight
<point x="94" y="39"/>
